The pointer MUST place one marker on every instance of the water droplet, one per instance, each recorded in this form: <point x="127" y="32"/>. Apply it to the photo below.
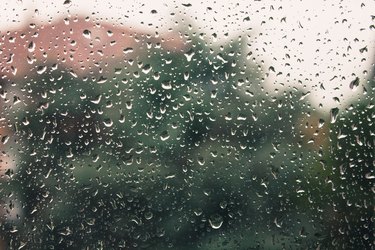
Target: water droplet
<point x="70" y="153"/>
<point x="25" y="121"/>
<point x="198" y="211"/>
<point x="189" y="55"/>
<point x="41" y="69"/>
<point x="354" y="84"/>
<point x="201" y="160"/>
<point x="87" y="34"/>
<point x="31" y="47"/>
<point x="277" y="223"/>
<point x="223" y="204"/>
<point x="16" y="100"/>
<point x="146" y="69"/>
<point x="5" y="139"/>
<point x="241" y="117"/>
<point x="102" y="79"/>
<point x="97" y="99"/>
<point x="22" y="245"/>
<point x="186" y="75"/>
<point x="166" y="85"/>
<point x="304" y="95"/>
<point x="128" y="50"/>
<point x="164" y="135"/>
<point x="228" y="116"/>
<point x="321" y="123"/>
<point x="333" y="114"/>
<point x="364" y="49"/>
<point x="369" y="176"/>
<point x="148" y="215"/>
<point x="108" y="122"/>
<point x="122" y="119"/>
<point x="216" y="221"/>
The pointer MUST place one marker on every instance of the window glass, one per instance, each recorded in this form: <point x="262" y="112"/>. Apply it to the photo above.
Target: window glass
<point x="187" y="125"/>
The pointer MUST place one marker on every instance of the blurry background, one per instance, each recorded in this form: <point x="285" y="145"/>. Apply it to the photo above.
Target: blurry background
<point x="187" y="125"/>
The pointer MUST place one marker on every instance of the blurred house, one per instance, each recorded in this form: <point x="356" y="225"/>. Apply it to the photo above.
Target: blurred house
<point x="79" y="44"/>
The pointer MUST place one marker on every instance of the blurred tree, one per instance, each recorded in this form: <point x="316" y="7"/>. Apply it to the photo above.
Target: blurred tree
<point x="170" y="146"/>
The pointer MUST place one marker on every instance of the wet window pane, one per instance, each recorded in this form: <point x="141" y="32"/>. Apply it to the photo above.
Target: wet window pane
<point x="187" y="125"/>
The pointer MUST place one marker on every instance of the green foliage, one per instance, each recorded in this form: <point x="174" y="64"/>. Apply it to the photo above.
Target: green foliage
<point x="149" y="157"/>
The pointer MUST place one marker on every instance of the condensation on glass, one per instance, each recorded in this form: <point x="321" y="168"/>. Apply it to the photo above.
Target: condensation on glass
<point x="187" y="125"/>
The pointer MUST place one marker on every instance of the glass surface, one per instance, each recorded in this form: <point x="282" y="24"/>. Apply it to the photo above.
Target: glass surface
<point x="187" y="125"/>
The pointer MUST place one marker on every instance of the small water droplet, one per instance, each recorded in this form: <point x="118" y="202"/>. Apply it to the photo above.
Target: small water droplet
<point x="122" y="119"/>
<point x="333" y="114"/>
<point x="31" y="46"/>
<point x="354" y="84"/>
<point x="369" y="176"/>
<point x="16" y="100"/>
<point x="146" y="69"/>
<point x="5" y="139"/>
<point x="166" y="85"/>
<point x="189" y="55"/>
<point x="69" y="154"/>
<point x="108" y="122"/>
<point x="228" y="116"/>
<point x="128" y="50"/>
<point x="25" y="121"/>
<point x="201" y="160"/>
<point x="198" y="211"/>
<point x="148" y="215"/>
<point x="87" y="34"/>
<point x="97" y="99"/>
<point x="164" y="135"/>
<point x="41" y="69"/>
<point x="321" y="123"/>
<point x="223" y="204"/>
<point x="102" y="79"/>
<point x="186" y="75"/>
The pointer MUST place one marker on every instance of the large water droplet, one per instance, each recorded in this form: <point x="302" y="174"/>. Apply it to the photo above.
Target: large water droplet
<point x="216" y="221"/>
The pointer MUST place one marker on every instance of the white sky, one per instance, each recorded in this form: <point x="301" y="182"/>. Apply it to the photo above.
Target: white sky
<point x="316" y="32"/>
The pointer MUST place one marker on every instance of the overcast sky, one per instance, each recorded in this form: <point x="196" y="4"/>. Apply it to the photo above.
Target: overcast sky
<point x="319" y="36"/>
